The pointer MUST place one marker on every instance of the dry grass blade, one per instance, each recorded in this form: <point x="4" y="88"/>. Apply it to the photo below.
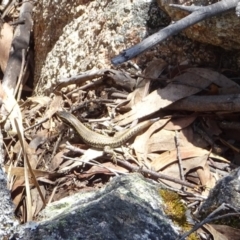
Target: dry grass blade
<point x="27" y="166"/>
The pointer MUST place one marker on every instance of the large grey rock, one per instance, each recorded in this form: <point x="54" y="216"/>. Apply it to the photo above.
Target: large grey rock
<point x="226" y="191"/>
<point x="129" y="207"/>
<point x="8" y="222"/>
<point x="72" y="36"/>
<point x="219" y="31"/>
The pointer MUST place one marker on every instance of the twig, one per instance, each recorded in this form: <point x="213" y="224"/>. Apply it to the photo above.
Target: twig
<point x="179" y="156"/>
<point x="35" y="125"/>
<point x="74" y="149"/>
<point x="155" y="174"/>
<point x="119" y="77"/>
<point x="176" y="27"/>
<point x="229" y="103"/>
<point x="56" y="145"/>
<point x="210" y="218"/>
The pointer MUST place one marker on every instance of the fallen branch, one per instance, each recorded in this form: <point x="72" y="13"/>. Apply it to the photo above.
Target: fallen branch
<point x="229" y="103"/>
<point x="119" y="77"/>
<point x="196" y="16"/>
<point x="155" y="174"/>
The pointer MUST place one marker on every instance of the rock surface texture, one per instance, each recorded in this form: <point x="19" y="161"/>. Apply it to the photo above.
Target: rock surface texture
<point x="226" y="191"/>
<point x="76" y="36"/>
<point x="7" y="219"/>
<point x="129" y="207"/>
<point x="219" y="31"/>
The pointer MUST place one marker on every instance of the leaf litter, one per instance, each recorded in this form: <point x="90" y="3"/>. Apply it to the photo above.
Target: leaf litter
<point x="62" y="164"/>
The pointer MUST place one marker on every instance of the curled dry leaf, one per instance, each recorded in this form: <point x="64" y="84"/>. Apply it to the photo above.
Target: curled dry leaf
<point x="207" y="179"/>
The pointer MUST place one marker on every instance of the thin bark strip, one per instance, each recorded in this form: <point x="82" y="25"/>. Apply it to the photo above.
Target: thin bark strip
<point x="20" y="42"/>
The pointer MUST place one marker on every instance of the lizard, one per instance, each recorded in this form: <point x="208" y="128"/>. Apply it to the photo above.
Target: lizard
<point x="97" y="140"/>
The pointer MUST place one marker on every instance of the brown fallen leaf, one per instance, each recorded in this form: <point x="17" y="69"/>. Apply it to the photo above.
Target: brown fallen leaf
<point x="140" y="144"/>
<point x="229" y="232"/>
<point x="180" y="123"/>
<point x="214" y="77"/>
<point x="163" y="140"/>
<point x="37" y="203"/>
<point x="181" y="86"/>
<point x="169" y="157"/>
<point x="188" y="165"/>
<point x="217" y="235"/>
<point x="207" y="179"/>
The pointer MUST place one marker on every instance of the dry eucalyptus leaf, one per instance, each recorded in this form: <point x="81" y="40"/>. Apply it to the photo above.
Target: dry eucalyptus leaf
<point x="214" y="77"/>
<point x="206" y="178"/>
<point x="140" y="144"/>
<point x="181" y="86"/>
<point x="164" y="140"/>
<point x="216" y="234"/>
<point x="180" y="123"/>
<point x="37" y="203"/>
<point x="169" y="157"/>
<point x="187" y="165"/>
<point x="227" y="231"/>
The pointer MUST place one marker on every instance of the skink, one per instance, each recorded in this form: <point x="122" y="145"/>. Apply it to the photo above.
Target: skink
<point x="97" y="140"/>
